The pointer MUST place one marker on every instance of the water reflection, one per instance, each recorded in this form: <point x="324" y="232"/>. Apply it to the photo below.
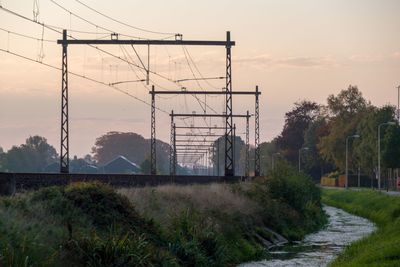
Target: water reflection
<point x="320" y="248"/>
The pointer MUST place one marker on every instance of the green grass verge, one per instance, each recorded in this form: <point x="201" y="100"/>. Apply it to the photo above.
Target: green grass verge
<point x="381" y="248"/>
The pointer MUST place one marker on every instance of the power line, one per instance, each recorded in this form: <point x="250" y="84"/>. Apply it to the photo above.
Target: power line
<point x="87" y="21"/>
<point x="201" y="75"/>
<point x="106" y="52"/>
<point x="123" y="23"/>
<point x="26" y="18"/>
<point x="27" y="36"/>
<point x="194" y="76"/>
<point x="81" y="76"/>
<point x="53" y="28"/>
<point x="78" y="31"/>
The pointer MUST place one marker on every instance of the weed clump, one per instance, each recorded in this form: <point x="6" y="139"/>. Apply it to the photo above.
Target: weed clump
<point x="91" y="225"/>
<point x="291" y="201"/>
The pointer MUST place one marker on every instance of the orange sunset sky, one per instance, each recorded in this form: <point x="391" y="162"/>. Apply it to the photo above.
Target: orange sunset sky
<point x="293" y="50"/>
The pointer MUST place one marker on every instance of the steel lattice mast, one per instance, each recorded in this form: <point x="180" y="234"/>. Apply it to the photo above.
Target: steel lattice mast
<point x="64" y="151"/>
<point x="257" y="136"/>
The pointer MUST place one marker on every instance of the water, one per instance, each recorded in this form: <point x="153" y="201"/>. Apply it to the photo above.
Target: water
<point x="320" y="248"/>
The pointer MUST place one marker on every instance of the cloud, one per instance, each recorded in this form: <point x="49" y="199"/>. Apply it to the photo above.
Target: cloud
<point x="266" y="60"/>
<point x="366" y="58"/>
<point x="102" y="119"/>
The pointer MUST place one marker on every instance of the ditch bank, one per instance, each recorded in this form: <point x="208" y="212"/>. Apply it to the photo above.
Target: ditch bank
<point x="90" y="224"/>
<point x="382" y="247"/>
<point x="322" y="247"/>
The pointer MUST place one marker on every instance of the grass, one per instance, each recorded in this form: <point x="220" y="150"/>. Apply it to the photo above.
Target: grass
<point x="163" y="203"/>
<point x="382" y="248"/>
<point x="208" y="224"/>
<point x="89" y="224"/>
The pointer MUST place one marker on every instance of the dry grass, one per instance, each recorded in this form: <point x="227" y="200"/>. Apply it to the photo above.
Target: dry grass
<point x="165" y="202"/>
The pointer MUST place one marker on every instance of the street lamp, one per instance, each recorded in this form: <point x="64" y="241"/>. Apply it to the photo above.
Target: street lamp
<point x="304" y="148"/>
<point x="275" y="154"/>
<point x="379" y="150"/>
<point x="398" y="104"/>
<point x="347" y="166"/>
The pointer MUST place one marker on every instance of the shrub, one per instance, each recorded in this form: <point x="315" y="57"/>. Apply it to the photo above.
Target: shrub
<point x="195" y="242"/>
<point x="290" y="200"/>
<point x="114" y="249"/>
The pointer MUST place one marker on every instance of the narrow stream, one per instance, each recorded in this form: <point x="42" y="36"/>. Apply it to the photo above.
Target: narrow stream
<point x="320" y="248"/>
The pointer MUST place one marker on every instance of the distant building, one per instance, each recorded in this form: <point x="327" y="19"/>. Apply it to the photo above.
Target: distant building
<point x="120" y="165"/>
<point x="53" y="167"/>
<point x="75" y="166"/>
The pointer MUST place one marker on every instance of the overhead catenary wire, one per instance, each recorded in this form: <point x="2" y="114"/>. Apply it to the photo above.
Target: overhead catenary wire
<point x="195" y="78"/>
<point x="126" y="55"/>
<point x="89" y="79"/>
<point x="83" y="77"/>
<point x="123" y="23"/>
<point x="27" y="36"/>
<point x="88" y="21"/>
<point x="54" y="28"/>
<point x="26" y="18"/>
<point x="47" y="26"/>
<point x="58" y="29"/>
<point x="201" y="75"/>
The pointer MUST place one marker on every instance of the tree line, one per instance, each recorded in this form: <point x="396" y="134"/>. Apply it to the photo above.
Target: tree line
<point x="36" y="154"/>
<point x="319" y="132"/>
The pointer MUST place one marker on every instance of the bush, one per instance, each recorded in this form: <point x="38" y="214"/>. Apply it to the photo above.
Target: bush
<point x="194" y="240"/>
<point x="114" y="249"/>
<point x="291" y="202"/>
<point x="56" y="225"/>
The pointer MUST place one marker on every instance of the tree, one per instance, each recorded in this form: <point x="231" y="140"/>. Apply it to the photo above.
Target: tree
<point x="267" y="151"/>
<point x="365" y="149"/>
<point x="32" y="156"/>
<point x="89" y="159"/>
<point x="132" y="146"/>
<point x="2" y="160"/>
<point x="391" y="147"/>
<point x="313" y="162"/>
<point x="347" y="110"/>
<point x="347" y="103"/>
<point x="296" y="122"/>
<point x="146" y="166"/>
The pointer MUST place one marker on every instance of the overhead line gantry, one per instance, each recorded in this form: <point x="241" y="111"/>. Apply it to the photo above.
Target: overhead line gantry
<point x="174" y="141"/>
<point x="228" y="43"/>
<point x="229" y="143"/>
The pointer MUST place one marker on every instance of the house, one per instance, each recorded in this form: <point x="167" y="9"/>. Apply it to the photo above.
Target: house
<point x="120" y="165"/>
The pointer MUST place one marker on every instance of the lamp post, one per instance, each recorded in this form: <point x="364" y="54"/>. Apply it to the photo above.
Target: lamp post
<point x="398" y="104"/>
<point x="275" y="154"/>
<point x="347" y="149"/>
<point x="304" y="148"/>
<point x="379" y="150"/>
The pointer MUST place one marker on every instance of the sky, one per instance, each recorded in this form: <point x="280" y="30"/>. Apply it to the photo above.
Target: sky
<point x="293" y="50"/>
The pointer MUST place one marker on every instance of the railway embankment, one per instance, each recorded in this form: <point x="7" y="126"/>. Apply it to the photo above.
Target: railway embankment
<point x="223" y="224"/>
